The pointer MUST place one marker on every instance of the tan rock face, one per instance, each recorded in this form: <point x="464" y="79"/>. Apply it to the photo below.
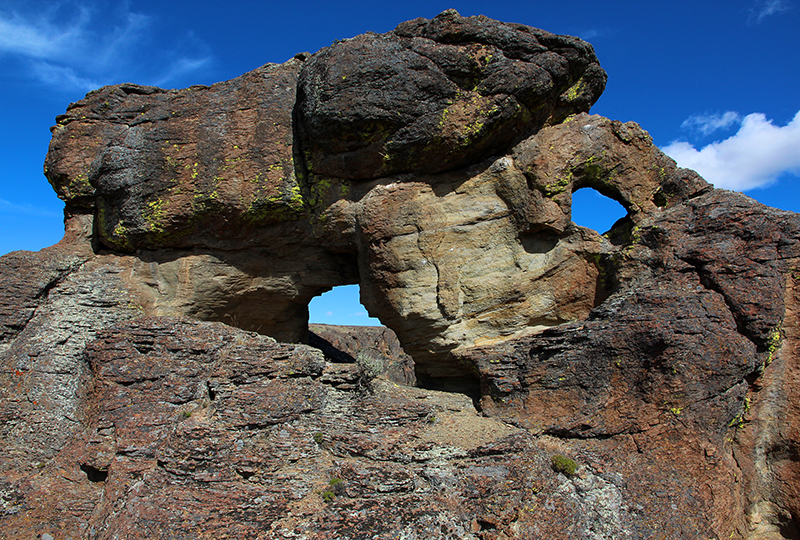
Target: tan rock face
<point x="451" y="270"/>
<point x="434" y="165"/>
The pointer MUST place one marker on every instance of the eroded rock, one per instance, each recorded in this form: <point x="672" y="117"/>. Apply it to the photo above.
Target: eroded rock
<point x="435" y="166"/>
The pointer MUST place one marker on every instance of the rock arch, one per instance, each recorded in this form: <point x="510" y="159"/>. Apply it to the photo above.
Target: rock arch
<point x="445" y="192"/>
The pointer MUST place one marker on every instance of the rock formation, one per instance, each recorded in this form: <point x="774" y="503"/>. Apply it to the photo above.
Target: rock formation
<point x="155" y="384"/>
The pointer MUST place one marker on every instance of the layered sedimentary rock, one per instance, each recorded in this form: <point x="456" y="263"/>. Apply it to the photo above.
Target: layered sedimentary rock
<point x="434" y="165"/>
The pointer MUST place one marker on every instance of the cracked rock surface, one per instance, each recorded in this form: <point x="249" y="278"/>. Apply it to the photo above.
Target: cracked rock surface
<point x="155" y="380"/>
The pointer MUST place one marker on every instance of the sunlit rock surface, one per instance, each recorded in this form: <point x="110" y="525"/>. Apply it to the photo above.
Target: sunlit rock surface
<point x="155" y="383"/>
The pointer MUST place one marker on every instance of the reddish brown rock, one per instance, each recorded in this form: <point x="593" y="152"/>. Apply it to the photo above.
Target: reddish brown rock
<point x="640" y="384"/>
<point x="180" y="168"/>
<point x="374" y="348"/>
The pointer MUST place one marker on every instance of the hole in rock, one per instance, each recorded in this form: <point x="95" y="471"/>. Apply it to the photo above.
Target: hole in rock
<point x="94" y="474"/>
<point x="790" y="530"/>
<point x="596" y="211"/>
<point x="340" y="326"/>
<point x="486" y="525"/>
<point x="340" y="306"/>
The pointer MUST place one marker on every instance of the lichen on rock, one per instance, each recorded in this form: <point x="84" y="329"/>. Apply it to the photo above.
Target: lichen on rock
<point x="154" y="379"/>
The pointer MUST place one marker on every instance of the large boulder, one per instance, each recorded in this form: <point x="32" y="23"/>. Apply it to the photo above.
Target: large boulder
<point x="436" y="94"/>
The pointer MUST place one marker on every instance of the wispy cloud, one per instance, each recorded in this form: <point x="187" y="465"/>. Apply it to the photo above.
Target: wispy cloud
<point x="56" y="75"/>
<point x="592" y="33"/>
<point x="757" y="155"/>
<point x="7" y="207"/>
<point x="708" y="123"/>
<point x="764" y="8"/>
<point x="83" y="47"/>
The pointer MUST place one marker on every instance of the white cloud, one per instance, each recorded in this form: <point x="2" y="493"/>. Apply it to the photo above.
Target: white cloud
<point x="755" y="156"/>
<point x="588" y="35"/>
<point x="62" y="75"/>
<point x="179" y="68"/>
<point x="40" y="38"/>
<point x="708" y="123"/>
<point x="84" y="48"/>
<point x="765" y="8"/>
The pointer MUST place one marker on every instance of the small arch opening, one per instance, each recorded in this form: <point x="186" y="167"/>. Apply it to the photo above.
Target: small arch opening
<point x="340" y="306"/>
<point x="341" y="328"/>
<point x="595" y="211"/>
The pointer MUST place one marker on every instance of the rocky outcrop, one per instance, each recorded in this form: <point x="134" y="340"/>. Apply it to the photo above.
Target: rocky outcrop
<point x="437" y="94"/>
<point x="375" y="349"/>
<point x="636" y="384"/>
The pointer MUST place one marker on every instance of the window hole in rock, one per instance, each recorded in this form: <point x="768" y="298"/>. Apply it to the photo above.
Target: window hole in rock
<point x="596" y="211"/>
<point x="341" y="328"/>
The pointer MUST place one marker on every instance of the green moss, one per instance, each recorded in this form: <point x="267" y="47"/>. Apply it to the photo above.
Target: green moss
<point x="564" y="465"/>
<point x="335" y="486"/>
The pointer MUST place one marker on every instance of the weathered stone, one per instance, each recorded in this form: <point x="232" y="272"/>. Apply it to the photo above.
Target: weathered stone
<point x="661" y="357"/>
<point x="181" y="168"/>
<point x="437" y="94"/>
<point x="373" y="348"/>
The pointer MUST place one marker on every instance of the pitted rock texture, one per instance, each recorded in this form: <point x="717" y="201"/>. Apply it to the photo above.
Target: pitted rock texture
<point x="661" y="356"/>
<point x="159" y="167"/>
<point x="437" y="94"/>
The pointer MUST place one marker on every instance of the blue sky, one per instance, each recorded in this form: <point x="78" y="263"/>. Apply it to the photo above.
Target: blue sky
<point x="715" y="82"/>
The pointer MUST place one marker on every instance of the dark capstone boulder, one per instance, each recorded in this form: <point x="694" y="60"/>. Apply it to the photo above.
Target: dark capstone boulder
<point x="437" y="94"/>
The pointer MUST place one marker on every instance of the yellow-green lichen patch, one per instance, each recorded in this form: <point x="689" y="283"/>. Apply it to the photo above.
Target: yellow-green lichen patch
<point x="559" y="185"/>
<point x="204" y="201"/>
<point x="284" y="205"/>
<point x="468" y="119"/>
<point x="78" y="186"/>
<point x="676" y="411"/>
<point x="117" y="235"/>
<point x="773" y="344"/>
<point x="575" y="92"/>
<point x="154" y="215"/>
<point x="193" y="168"/>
